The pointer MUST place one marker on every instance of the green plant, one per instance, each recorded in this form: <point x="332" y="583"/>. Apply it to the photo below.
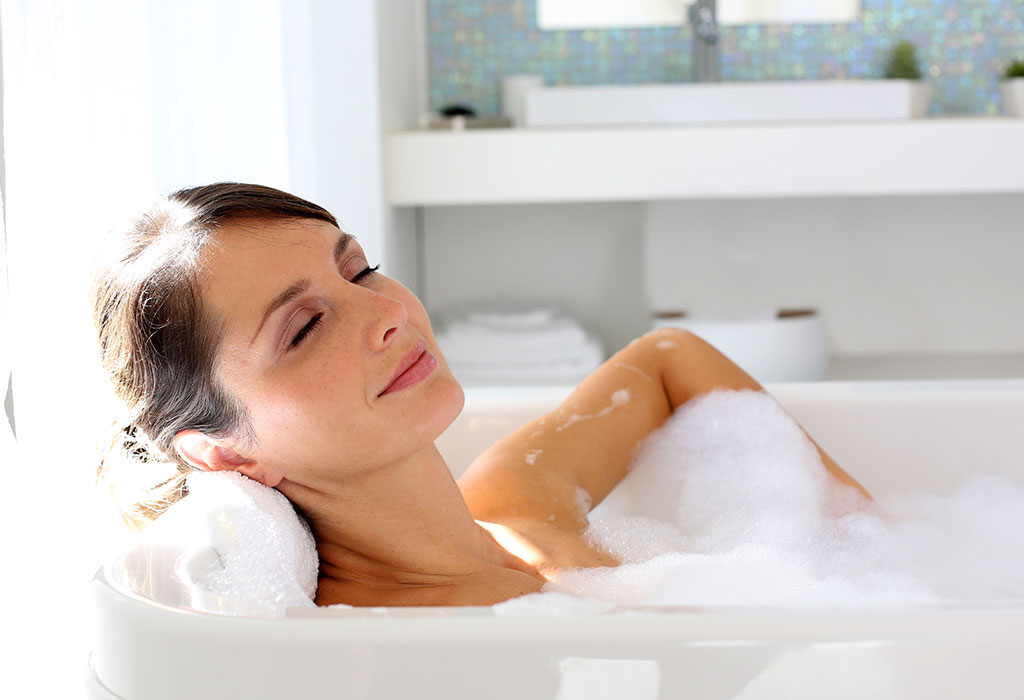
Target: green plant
<point x="903" y="62"/>
<point x="1015" y="69"/>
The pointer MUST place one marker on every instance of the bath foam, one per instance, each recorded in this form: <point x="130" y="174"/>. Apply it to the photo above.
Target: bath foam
<point x="728" y="503"/>
<point x="584" y="500"/>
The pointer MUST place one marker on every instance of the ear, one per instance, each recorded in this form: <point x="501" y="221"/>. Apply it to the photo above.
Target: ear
<point x="208" y="454"/>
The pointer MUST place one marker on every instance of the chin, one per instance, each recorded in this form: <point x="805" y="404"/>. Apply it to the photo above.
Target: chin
<point x="447" y="399"/>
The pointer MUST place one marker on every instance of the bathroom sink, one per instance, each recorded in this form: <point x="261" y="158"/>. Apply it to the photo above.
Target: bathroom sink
<point x="715" y="103"/>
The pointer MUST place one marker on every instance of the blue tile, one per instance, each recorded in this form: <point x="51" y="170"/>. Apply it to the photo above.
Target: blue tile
<point x="962" y="46"/>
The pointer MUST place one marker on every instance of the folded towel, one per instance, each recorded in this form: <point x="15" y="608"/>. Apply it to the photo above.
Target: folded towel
<point x="490" y="378"/>
<point x="243" y="548"/>
<point x="567" y="370"/>
<point x="532" y="317"/>
<point x="461" y="341"/>
<point x="585" y="356"/>
<point x="517" y="338"/>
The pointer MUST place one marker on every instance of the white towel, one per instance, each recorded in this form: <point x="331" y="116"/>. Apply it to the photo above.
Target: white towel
<point x="463" y="341"/>
<point x="512" y="342"/>
<point x="568" y="369"/>
<point x="243" y="548"/>
<point x="531" y="317"/>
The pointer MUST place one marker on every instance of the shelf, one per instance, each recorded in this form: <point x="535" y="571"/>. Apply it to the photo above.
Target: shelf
<point x="916" y="157"/>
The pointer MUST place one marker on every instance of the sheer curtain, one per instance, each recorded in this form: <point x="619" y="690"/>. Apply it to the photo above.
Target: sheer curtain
<point x="7" y="445"/>
<point x="107" y="103"/>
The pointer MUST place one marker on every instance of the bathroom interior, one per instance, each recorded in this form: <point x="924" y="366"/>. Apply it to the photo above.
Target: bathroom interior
<point x="848" y="230"/>
<point x="731" y="221"/>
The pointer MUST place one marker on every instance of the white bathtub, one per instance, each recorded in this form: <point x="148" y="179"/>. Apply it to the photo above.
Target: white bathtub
<point x="891" y="436"/>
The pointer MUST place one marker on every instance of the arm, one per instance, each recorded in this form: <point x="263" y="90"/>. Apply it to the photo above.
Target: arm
<point x="589" y="440"/>
<point x="709" y="369"/>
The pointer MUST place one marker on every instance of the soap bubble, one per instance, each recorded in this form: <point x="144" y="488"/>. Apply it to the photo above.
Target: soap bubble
<point x="729" y="504"/>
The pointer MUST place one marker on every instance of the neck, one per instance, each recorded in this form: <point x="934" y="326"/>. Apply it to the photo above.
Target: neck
<point x="403" y="526"/>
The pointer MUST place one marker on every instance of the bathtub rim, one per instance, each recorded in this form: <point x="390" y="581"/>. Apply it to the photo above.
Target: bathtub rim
<point x="994" y="620"/>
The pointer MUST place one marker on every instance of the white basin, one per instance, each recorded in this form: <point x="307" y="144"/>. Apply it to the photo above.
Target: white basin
<point x="714" y="103"/>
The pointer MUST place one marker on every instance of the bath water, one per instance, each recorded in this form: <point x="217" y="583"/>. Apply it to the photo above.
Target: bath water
<point x="729" y="504"/>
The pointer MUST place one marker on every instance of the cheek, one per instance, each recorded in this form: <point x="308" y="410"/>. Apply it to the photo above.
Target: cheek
<point x="315" y="397"/>
<point x="312" y="397"/>
<point x="307" y="422"/>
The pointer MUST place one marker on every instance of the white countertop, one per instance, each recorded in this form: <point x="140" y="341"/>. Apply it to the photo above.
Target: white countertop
<point x="898" y="157"/>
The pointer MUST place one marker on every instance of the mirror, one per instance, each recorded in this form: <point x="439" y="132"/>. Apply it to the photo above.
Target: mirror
<point x="596" y="14"/>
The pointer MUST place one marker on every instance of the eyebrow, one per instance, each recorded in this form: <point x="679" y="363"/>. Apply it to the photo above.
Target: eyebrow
<point x="299" y="286"/>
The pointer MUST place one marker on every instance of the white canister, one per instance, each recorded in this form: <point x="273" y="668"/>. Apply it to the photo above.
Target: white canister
<point x="1013" y="97"/>
<point x="513" y="95"/>
<point x="789" y="347"/>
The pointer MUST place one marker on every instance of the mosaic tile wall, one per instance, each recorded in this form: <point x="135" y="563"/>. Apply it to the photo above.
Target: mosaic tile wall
<point x="963" y="47"/>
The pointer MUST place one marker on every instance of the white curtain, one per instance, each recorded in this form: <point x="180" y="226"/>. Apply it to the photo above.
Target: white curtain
<point x="107" y="103"/>
<point x="7" y="445"/>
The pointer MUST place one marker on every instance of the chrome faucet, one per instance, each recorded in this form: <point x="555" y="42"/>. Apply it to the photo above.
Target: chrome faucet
<point x="703" y="18"/>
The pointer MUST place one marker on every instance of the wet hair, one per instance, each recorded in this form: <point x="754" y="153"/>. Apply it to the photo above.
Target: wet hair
<point x="157" y="343"/>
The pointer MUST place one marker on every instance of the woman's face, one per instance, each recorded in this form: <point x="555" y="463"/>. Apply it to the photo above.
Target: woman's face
<point x="311" y="341"/>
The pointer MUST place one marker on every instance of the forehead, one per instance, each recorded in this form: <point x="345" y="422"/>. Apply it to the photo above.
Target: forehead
<point x="254" y="241"/>
<point x="246" y="264"/>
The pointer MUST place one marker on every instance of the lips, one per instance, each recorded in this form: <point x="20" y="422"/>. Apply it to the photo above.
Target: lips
<point x="416" y="366"/>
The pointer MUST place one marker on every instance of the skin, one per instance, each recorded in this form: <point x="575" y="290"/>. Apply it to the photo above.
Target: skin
<point x="392" y="526"/>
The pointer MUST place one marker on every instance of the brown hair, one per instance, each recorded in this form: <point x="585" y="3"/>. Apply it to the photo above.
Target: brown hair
<point x="158" y="346"/>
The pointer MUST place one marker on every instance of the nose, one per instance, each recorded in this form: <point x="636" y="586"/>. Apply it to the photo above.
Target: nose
<point x="386" y="323"/>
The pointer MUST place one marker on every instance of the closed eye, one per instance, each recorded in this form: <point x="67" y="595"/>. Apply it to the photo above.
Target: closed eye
<point x="317" y="318"/>
<point x="368" y="272"/>
<point x="306" y="330"/>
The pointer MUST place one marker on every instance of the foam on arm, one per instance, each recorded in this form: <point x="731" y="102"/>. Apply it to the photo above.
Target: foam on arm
<point x="692" y="367"/>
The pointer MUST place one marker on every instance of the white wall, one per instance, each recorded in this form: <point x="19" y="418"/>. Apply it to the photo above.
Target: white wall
<point x="899" y="275"/>
<point x="402" y="59"/>
<point x="587" y="256"/>
<point x="890" y="275"/>
<point x="348" y="82"/>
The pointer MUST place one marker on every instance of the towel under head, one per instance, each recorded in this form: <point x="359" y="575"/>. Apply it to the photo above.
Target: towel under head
<point x="239" y="547"/>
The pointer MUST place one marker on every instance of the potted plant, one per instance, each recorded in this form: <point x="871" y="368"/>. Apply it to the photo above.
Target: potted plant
<point x="903" y="65"/>
<point x="1013" y="88"/>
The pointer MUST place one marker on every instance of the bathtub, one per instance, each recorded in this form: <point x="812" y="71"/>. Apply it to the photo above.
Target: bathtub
<point x="891" y="436"/>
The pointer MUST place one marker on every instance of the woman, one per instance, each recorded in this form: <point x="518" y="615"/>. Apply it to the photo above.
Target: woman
<point x="245" y="331"/>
